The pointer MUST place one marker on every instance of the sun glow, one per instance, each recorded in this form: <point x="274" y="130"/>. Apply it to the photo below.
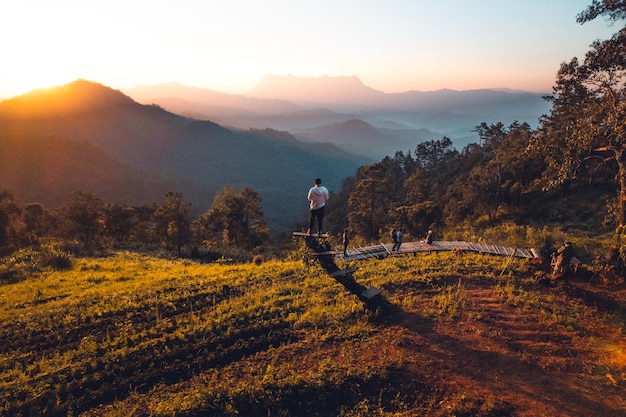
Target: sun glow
<point x="37" y="59"/>
<point x="23" y="84"/>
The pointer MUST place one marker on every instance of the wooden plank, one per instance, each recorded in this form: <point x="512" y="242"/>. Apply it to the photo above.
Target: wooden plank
<point x="388" y="251"/>
<point x="343" y="272"/>
<point x="332" y="252"/>
<point x="370" y="293"/>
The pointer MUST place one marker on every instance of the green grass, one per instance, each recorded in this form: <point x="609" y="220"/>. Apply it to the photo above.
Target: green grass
<point x="132" y="335"/>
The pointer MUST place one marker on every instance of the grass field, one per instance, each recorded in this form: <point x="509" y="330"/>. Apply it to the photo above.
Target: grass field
<point x="471" y="335"/>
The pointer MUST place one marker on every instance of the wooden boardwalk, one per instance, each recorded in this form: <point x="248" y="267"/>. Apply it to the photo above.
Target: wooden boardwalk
<point x="372" y="296"/>
<point x="383" y="250"/>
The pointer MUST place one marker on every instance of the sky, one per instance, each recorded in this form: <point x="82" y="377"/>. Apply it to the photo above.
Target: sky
<point x="230" y="45"/>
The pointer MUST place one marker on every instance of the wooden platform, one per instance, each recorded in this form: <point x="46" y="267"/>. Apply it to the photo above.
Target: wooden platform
<point x="383" y="250"/>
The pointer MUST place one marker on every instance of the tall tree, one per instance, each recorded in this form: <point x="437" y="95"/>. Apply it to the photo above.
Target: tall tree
<point x="585" y="129"/>
<point x="438" y="159"/>
<point x="36" y="220"/>
<point x="85" y="214"/>
<point x="370" y="201"/>
<point x="336" y="219"/>
<point x="419" y="211"/>
<point x="174" y="220"/>
<point x="256" y="230"/>
<point x="236" y="218"/>
<point x="119" y="221"/>
<point x="9" y="212"/>
<point x="433" y="155"/>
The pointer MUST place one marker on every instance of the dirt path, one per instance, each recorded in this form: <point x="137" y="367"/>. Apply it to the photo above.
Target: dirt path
<point x="513" y="361"/>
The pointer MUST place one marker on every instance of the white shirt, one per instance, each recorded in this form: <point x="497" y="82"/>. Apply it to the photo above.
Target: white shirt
<point x="318" y="196"/>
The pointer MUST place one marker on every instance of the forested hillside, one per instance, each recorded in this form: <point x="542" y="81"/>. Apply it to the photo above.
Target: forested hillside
<point x="568" y="173"/>
<point x="458" y="192"/>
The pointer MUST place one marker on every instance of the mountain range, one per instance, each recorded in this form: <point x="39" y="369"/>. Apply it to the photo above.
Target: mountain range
<point x="325" y="109"/>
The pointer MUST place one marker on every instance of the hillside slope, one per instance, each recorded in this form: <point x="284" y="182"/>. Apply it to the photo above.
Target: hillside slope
<point x="469" y="335"/>
<point x="47" y="169"/>
<point x="361" y="138"/>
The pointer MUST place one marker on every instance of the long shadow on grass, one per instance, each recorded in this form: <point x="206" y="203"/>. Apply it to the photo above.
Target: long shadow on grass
<point x="601" y="301"/>
<point x="345" y="277"/>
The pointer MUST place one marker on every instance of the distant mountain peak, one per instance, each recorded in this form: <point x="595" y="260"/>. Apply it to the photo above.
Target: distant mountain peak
<point x="318" y="90"/>
<point x="355" y="124"/>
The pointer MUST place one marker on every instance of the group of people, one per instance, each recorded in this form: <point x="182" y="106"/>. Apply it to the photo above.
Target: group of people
<point x="318" y="195"/>
<point x="396" y="237"/>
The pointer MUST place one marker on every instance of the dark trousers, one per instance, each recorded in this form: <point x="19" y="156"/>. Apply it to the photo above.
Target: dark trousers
<point x="319" y="215"/>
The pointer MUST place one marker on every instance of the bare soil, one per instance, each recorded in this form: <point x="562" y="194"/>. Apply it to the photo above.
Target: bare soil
<point x="509" y="362"/>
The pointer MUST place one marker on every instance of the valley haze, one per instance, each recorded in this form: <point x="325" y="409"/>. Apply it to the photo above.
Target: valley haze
<point x="321" y="109"/>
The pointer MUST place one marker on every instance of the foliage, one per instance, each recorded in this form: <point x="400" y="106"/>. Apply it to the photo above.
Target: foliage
<point x="173" y="220"/>
<point x="83" y="214"/>
<point x="9" y="210"/>
<point x="131" y="334"/>
<point x="585" y="131"/>
<point x="370" y="201"/>
<point x="236" y="219"/>
<point x="52" y="255"/>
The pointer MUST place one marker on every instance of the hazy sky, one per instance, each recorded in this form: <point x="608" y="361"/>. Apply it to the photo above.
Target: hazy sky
<point x="229" y="45"/>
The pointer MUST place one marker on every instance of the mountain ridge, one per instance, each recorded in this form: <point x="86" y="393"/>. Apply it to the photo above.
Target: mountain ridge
<point x="444" y="112"/>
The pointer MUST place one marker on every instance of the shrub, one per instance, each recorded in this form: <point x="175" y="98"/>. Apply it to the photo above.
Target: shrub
<point x="18" y="266"/>
<point x="25" y="262"/>
<point x="51" y="255"/>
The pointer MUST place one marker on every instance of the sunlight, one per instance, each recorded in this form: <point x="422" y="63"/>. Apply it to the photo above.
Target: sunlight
<point x="24" y="86"/>
<point x="33" y="72"/>
<point x="35" y="58"/>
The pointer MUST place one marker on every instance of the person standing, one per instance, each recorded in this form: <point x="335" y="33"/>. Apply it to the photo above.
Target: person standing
<point x="398" y="240"/>
<point x="346" y="240"/>
<point x="318" y="195"/>
<point x="562" y="258"/>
